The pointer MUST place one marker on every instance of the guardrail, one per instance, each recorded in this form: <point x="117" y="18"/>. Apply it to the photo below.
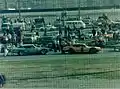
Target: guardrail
<point x="60" y="9"/>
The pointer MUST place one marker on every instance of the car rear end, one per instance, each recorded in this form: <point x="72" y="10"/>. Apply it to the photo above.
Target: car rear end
<point x="98" y="49"/>
<point x="65" y="49"/>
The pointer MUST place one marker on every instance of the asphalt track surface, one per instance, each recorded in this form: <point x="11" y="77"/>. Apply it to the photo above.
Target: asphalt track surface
<point x="53" y="56"/>
<point x="106" y="79"/>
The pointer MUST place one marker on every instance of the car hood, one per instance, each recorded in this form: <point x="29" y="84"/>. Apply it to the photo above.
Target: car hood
<point x="95" y="47"/>
<point x="42" y="48"/>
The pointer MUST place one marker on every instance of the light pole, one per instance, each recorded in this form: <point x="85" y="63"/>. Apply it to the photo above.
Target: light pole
<point x="6" y="5"/>
<point x="79" y="9"/>
<point x="18" y="1"/>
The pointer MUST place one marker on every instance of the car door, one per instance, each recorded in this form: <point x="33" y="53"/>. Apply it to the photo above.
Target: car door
<point x="33" y="50"/>
<point x="30" y="49"/>
<point x="77" y="48"/>
<point x="84" y="48"/>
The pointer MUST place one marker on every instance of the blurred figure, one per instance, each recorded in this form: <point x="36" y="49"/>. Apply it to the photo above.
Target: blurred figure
<point x="94" y="32"/>
<point x="32" y="27"/>
<point x="2" y="80"/>
<point x="37" y="33"/>
<point x="55" y="45"/>
<point x="5" y="39"/>
<point x="9" y="38"/>
<point x="103" y="31"/>
<point x="14" y="38"/>
<point x="5" y="50"/>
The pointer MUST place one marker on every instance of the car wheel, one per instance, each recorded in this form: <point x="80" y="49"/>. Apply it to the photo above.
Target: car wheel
<point x="43" y="51"/>
<point x="21" y="53"/>
<point x="63" y="52"/>
<point x="93" y="50"/>
<point x="71" y="51"/>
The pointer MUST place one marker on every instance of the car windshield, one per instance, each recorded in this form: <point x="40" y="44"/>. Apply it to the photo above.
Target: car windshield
<point x="28" y="35"/>
<point x="47" y="38"/>
<point x="27" y="46"/>
<point x="30" y="46"/>
<point x="83" y="45"/>
<point x="76" y="45"/>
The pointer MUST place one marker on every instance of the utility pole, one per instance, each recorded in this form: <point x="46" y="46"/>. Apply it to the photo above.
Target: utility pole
<point x="18" y="1"/>
<point x="79" y="9"/>
<point x="6" y="5"/>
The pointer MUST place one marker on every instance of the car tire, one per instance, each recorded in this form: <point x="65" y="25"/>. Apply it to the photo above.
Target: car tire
<point x="21" y="53"/>
<point x="71" y="51"/>
<point x="43" y="51"/>
<point x="92" y="51"/>
<point x="63" y="52"/>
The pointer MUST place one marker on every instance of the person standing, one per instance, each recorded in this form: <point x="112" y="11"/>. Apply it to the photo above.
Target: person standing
<point x="33" y="27"/>
<point x="5" y="50"/>
<point x="9" y="38"/>
<point x="59" y="39"/>
<point x="14" y="38"/>
<point x="4" y="39"/>
<point x="2" y="80"/>
<point x="55" y="46"/>
<point x="94" y="32"/>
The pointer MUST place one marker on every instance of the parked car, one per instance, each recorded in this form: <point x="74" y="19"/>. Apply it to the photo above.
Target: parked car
<point x="51" y="28"/>
<point x="39" y="23"/>
<point x="98" y="42"/>
<point x="46" y="40"/>
<point x="88" y="22"/>
<point x="80" y="48"/>
<point x="29" y="38"/>
<point x="88" y="34"/>
<point x="29" y="49"/>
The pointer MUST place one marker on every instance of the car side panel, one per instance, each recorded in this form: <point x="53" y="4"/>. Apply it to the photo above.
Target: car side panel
<point x="86" y="49"/>
<point x="77" y="49"/>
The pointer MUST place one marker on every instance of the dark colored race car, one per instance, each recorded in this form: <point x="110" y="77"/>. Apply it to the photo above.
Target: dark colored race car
<point x="80" y="48"/>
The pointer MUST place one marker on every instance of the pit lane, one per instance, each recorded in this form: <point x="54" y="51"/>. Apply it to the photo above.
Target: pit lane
<point x="72" y="71"/>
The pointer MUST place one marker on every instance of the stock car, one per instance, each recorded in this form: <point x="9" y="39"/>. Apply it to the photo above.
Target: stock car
<point x="29" y="49"/>
<point x="80" y="48"/>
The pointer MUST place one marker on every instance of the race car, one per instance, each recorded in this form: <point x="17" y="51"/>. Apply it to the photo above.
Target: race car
<point x="80" y="48"/>
<point x="29" y="49"/>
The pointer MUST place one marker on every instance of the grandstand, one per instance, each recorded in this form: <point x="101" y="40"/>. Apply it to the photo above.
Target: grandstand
<point x="45" y="4"/>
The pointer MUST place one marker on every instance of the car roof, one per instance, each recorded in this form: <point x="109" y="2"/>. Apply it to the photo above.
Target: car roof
<point x="6" y="23"/>
<point x="28" y="45"/>
<point x="79" y="44"/>
<point x="29" y="33"/>
<point x="47" y="37"/>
